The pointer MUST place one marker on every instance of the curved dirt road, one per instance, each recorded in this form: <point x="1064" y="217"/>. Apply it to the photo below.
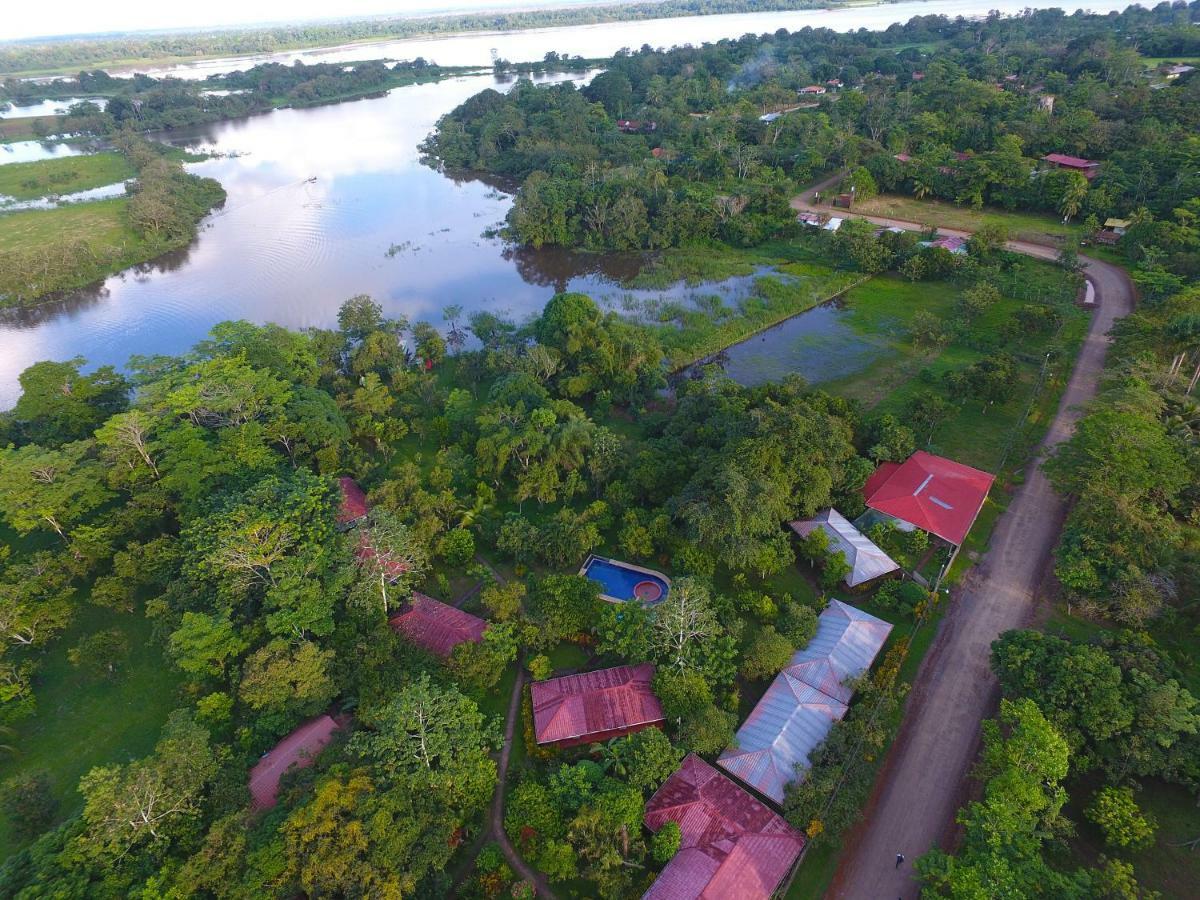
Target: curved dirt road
<point x="923" y="780"/>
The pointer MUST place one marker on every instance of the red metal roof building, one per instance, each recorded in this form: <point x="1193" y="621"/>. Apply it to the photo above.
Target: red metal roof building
<point x="931" y="492"/>
<point x="595" y="706"/>
<point x="733" y="846"/>
<point x="354" y="506"/>
<point x="298" y="750"/>
<point x="436" y="626"/>
<point x="1089" y="167"/>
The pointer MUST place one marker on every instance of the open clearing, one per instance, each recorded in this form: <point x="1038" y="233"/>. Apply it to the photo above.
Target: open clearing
<point x="65" y="175"/>
<point x="1021" y="226"/>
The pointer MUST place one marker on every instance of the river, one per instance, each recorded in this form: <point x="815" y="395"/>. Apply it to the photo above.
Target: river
<point x="332" y="201"/>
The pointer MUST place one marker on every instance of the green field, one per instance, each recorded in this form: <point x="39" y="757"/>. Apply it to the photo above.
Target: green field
<point x="83" y="721"/>
<point x="978" y="435"/>
<point x="25" y="129"/>
<point x="64" y="175"/>
<point x="1035" y="227"/>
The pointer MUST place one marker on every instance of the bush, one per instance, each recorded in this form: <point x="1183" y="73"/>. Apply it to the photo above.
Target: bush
<point x="540" y="667"/>
<point x="1117" y="815"/>
<point x="665" y="844"/>
<point x="457" y="548"/>
<point x="28" y="801"/>
<point x="767" y="654"/>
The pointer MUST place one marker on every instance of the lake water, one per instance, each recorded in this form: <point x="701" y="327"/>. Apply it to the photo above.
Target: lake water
<point x="289" y="249"/>
<point x="46" y="108"/>
<point x="32" y="151"/>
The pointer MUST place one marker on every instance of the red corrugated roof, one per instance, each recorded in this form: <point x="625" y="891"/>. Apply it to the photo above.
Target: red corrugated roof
<point x="436" y="626"/>
<point x="733" y="845"/>
<point x="575" y="706"/>
<point x="1074" y="162"/>
<point x="354" y="502"/>
<point x="298" y="750"/>
<point x="936" y="494"/>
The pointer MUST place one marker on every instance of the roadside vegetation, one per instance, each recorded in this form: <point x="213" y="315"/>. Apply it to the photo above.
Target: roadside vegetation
<point x="46" y="252"/>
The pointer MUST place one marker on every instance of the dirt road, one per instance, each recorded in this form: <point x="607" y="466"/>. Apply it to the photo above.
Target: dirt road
<point x="922" y="782"/>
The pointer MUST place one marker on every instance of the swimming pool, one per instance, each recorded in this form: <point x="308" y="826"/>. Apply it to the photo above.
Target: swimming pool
<point x="622" y="582"/>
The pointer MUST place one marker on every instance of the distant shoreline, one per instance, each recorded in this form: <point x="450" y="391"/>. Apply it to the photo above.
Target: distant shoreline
<point x="153" y="49"/>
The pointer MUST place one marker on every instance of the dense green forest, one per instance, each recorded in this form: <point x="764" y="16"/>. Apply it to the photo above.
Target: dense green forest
<point x="18" y="57"/>
<point x="170" y="530"/>
<point x="969" y="121"/>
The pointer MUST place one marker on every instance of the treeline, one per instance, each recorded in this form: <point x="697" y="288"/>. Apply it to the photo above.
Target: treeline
<point x="36" y="56"/>
<point x="164" y="207"/>
<point x="144" y="103"/>
<point x="714" y="138"/>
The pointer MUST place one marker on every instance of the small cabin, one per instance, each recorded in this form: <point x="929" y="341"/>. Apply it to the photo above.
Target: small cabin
<point x="1088" y="168"/>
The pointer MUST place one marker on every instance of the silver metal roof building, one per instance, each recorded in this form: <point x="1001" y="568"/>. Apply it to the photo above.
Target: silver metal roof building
<point x="867" y="561"/>
<point x="805" y="699"/>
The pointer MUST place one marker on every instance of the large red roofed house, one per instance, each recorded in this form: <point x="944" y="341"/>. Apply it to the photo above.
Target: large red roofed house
<point x="733" y="847"/>
<point x="436" y="626"/>
<point x="595" y="706"/>
<point x="933" y="493"/>
<point x="296" y="751"/>
<point x="353" y="508"/>
<point x="1088" y="167"/>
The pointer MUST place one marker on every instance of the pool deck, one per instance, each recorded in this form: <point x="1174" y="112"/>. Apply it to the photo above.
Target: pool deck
<point x="633" y="568"/>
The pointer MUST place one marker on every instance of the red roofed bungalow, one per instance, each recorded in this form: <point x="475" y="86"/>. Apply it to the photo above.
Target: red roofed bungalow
<point x="595" y="706"/>
<point x="732" y="846"/>
<point x="931" y="492"/>
<point x="436" y="626"/>
<point x="296" y="751"/>
<point x="353" y="508"/>
<point x="1088" y="167"/>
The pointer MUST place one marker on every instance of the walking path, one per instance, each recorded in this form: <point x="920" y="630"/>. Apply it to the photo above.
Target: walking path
<point x="925" y="777"/>
<point x="495" y="824"/>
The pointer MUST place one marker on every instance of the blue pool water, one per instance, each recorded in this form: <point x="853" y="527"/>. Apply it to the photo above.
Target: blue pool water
<point x="618" y="581"/>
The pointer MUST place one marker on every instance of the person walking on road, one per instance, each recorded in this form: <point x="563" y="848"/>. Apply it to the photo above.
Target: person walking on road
<point x="899" y="859"/>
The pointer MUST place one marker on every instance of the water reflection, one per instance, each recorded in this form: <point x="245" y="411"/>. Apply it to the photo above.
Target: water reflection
<point x="31" y="151"/>
<point x="820" y="345"/>
<point x="289" y="249"/>
<point x="48" y="107"/>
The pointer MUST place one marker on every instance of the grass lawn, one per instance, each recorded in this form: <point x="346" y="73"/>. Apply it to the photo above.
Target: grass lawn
<point x="64" y="175"/>
<point x="82" y="722"/>
<point x="1044" y="229"/>
<point x="882" y="310"/>
<point x="567" y="656"/>
<point x="22" y="129"/>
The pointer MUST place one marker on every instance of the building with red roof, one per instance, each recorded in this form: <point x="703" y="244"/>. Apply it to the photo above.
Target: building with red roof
<point x="930" y="492"/>
<point x="296" y="751"/>
<point x="595" y="706"/>
<point x="1088" y="167"/>
<point x="436" y="626"/>
<point x="733" y="847"/>
<point x="353" y="508"/>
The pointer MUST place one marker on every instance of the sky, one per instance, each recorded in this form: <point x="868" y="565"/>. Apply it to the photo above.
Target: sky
<point x="27" y="18"/>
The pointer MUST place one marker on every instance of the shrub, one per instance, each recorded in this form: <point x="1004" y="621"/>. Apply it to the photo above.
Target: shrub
<point x="28" y="801"/>
<point x="1116" y="813"/>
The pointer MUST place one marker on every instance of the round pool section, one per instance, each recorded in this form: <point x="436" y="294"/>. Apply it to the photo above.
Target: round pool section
<point x="647" y="591"/>
<point x="623" y="582"/>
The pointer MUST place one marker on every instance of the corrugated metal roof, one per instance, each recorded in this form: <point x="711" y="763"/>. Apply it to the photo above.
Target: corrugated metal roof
<point x="575" y="706"/>
<point x="298" y="750"/>
<point x="805" y="699"/>
<point x="867" y="561"/>
<point x="436" y="626"/>
<point x="732" y="845"/>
